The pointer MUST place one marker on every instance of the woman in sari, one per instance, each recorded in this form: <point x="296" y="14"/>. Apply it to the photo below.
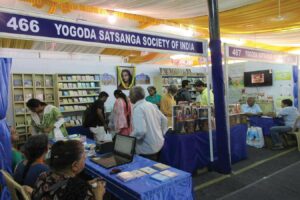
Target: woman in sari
<point x="46" y="119"/>
<point x="122" y="113"/>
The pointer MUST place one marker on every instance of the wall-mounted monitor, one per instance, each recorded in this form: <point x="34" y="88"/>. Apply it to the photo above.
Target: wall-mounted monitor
<point x="258" y="78"/>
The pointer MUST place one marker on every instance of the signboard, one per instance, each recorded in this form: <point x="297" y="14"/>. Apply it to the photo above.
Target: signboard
<point x="42" y="27"/>
<point x="237" y="52"/>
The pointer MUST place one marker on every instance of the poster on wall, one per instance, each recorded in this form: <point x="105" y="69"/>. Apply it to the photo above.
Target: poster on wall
<point x="236" y="82"/>
<point x="142" y="79"/>
<point x="126" y="77"/>
<point x="107" y="79"/>
<point x="283" y="76"/>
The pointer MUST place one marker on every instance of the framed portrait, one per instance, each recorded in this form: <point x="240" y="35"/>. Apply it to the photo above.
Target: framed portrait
<point x="126" y="77"/>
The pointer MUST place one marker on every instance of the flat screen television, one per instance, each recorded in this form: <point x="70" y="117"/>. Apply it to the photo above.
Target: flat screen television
<point x="258" y="78"/>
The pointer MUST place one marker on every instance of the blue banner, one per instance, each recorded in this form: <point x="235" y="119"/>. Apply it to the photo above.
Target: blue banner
<point x="42" y="27"/>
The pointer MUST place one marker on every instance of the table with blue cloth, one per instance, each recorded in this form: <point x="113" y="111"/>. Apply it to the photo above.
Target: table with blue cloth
<point x="143" y="188"/>
<point x="146" y="188"/>
<point x="190" y="152"/>
<point x="265" y="123"/>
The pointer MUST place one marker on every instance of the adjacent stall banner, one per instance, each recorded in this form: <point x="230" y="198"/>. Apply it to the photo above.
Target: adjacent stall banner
<point x="253" y="54"/>
<point x="49" y="28"/>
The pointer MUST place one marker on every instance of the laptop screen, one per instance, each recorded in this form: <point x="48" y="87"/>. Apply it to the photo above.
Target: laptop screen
<point x="124" y="145"/>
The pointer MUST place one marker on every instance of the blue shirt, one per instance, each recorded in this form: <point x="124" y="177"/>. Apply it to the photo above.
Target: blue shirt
<point x="32" y="174"/>
<point x="289" y="115"/>
<point x="253" y="109"/>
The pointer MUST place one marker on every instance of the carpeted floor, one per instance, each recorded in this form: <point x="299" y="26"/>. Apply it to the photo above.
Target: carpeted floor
<point x="283" y="184"/>
<point x="260" y="163"/>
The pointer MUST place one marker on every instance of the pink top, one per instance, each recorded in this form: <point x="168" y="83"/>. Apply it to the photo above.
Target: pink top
<point x="121" y="117"/>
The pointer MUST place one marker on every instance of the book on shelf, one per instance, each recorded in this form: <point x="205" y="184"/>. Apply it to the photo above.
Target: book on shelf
<point x="48" y="83"/>
<point x="40" y="96"/>
<point x="27" y="83"/>
<point x="76" y="100"/>
<point x="20" y="110"/>
<point x="22" y="123"/>
<point x="27" y="97"/>
<point x="38" y="83"/>
<point x="18" y="97"/>
<point x="49" y="97"/>
<point x="17" y="82"/>
<point x="97" y="77"/>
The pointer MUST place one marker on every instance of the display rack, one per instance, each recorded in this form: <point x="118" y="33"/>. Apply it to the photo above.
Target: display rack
<point x="75" y="93"/>
<point x="25" y="87"/>
<point x="170" y="76"/>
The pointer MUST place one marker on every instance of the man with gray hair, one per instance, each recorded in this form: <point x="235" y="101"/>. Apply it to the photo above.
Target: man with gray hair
<point x="251" y="108"/>
<point x="149" y="125"/>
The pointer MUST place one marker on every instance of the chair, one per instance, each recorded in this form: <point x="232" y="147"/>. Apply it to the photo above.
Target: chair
<point x="14" y="187"/>
<point x="296" y="131"/>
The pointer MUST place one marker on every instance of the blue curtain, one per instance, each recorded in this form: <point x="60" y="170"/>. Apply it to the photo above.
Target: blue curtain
<point x="5" y="143"/>
<point x="295" y="85"/>
<point x="223" y="164"/>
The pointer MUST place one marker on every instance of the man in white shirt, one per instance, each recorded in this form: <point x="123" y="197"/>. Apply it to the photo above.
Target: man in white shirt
<point x="251" y="108"/>
<point x="149" y="125"/>
<point x="289" y="113"/>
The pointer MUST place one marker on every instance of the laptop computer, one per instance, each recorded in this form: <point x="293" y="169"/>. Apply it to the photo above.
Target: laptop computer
<point x="122" y="154"/>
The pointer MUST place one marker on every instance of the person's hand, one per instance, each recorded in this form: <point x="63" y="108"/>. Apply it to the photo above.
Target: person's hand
<point x="271" y="114"/>
<point x="48" y="130"/>
<point x="106" y="128"/>
<point x="28" y="190"/>
<point x="98" y="188"/>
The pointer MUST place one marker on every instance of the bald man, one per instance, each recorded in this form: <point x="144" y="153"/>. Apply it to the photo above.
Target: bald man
<point x="251" y="108"/>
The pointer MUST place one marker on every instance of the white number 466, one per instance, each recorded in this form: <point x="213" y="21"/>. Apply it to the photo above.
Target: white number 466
<point x="23" y="24"/>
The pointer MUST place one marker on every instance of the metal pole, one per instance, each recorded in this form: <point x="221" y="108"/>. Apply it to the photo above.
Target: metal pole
<point x="222" y="165"/>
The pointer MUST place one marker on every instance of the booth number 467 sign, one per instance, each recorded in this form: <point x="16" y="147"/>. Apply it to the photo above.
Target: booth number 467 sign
<point x="236" y="52"/>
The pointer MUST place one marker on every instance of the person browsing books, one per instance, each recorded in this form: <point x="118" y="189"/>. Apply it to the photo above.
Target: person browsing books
<point x="153" y="96"/>
<point x="46" y="119"/>
<point x="149" y="125"/>
<point x="251" y="108"/>
<point x="94" y="117"/>
<point x="121" y="121"/>
<point x="203" y="96"/>
<point x="167" y="103"/>
<point x="183" y="93"/>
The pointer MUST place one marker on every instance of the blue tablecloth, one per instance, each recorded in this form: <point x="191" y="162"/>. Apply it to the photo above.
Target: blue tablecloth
<point x="145" y="188"/>
<point x="190" y="152"/>
<point x="265" y="123"/>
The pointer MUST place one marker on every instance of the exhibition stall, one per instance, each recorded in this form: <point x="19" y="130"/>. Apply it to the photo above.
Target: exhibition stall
<point x="72" y="81"/>
<point x="268" y="77"/>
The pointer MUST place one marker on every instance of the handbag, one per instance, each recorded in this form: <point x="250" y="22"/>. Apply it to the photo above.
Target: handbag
<point x="255" y="137"/>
